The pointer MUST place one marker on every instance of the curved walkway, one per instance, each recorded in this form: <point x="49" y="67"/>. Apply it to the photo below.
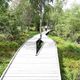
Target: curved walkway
<point x="26" y="66"/>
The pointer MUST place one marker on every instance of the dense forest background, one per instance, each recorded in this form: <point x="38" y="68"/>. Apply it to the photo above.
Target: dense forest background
<point x="19" y="23"/>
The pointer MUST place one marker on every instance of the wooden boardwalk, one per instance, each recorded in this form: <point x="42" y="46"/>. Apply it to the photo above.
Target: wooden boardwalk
<point x="26" y="66"/>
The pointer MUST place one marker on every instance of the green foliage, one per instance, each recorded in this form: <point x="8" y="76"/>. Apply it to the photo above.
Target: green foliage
<point x="8" y="44"/>
<point x="37" y="6"/>
<point x="3" y="66"/>
<point x="69" y="55"/>
<point x="66" y="23"/>
<point x="25" y="14"/>
<point x="15" y="22"/>
<point x="2" y="37"/>
<point x="3" y="17"/>
<point x="3" y="5"/>
<point x="7" y="48"/>
<point x="24" y="36"/>
<point x="16" y="26"/>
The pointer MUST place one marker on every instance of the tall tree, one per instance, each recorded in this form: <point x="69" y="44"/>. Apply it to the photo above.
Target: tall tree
<point x="3" y="17"/>
<point x="38" y="7"/>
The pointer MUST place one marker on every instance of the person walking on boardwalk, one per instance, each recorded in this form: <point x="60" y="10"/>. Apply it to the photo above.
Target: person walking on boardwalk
<point x="45" y="28"/>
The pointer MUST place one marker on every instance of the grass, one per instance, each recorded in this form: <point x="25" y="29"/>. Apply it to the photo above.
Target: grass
<point x="3" y="64"/>
<point x="69" y="57"/>
<point x="8" y="48"/>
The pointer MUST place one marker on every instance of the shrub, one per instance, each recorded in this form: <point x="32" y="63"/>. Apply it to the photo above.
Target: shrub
<point x="58" y="40"/>
<point x="24" y="36"/>
<point x="2" y="37"/>
<point x="6" y="48"/>
<point x="8" y="44"/>
<point x="69" y="57"/>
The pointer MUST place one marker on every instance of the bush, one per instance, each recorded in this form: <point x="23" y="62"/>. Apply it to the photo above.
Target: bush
<point x="2" y="37"/>
<point x="2" y="67"/>
<point x="8" y="44"/>
<point x="24" y="36"/>
<point x="7" y="47"/>
<point x="69" y="57"/>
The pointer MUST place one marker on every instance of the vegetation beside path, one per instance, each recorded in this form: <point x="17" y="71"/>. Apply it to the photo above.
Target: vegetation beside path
<point x="18" y="24"/>
<point x="8" y="49"/>
<point x="69" y="55"/>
